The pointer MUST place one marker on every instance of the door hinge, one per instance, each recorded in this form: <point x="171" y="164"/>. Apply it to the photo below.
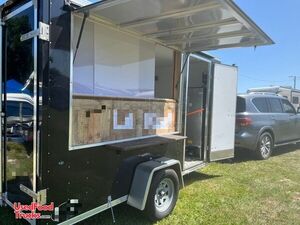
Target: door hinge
<point x="40" y="196"/>
<point x="43" y="32"/>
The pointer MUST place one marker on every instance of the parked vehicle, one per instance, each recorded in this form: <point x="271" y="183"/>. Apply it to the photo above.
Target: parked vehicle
<point x="264" y="121"/>
<point x="19" y="113"/>
<point x="293" y="95"/>
<point x="124" y="101"/>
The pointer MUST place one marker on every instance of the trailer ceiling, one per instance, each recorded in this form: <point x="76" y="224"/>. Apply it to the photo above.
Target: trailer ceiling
<point x="185" y="25"/>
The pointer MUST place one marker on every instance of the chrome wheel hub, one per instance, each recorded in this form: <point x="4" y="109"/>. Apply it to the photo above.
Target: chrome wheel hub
<point x="164" y="195"/>
<point x="265" y="146"/>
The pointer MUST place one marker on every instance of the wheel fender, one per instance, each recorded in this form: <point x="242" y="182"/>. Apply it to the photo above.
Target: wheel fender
<point x="143" y="177"/>
<point x="265" y="129"/>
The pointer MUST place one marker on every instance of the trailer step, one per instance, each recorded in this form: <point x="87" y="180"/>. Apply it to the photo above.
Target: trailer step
<point x="193" y="168"/>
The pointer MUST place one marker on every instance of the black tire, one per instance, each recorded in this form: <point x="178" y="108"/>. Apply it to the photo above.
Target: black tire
<point x="265" y="146"/>
<point x="154" y="210"/>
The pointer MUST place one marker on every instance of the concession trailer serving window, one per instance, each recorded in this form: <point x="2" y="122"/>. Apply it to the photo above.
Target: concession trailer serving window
<point x="123" y="87"/>
<point x="127" y="63"/>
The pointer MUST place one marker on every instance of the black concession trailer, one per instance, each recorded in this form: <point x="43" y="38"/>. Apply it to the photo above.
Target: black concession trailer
<point x="113" y="101"/>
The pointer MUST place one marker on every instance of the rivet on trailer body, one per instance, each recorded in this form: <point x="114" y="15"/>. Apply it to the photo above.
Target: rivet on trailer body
<point x="49" y="135"/>
<point x="69" y="182"/>
<point x="69" y="166"/>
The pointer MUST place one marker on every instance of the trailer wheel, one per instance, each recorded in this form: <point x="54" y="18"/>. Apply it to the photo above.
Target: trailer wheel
<point x="264" y="146"/>
<point x="163" y="194"/>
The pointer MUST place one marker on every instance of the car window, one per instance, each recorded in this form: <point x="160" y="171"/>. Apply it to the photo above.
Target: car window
<point x="287" y="107"/>
<point x="240" y="105"/>
<point x="27" y="109"/>
<point x="275" y="105"/>
<point x="261" y="104"/>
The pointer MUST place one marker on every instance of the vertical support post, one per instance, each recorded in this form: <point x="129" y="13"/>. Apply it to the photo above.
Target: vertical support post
<point x="295" y="82"/>
<point x="207" y="122"/>
<point x="35" y="98"/>
<point x="186" y="70"/>
<point x="1" y="151"/>
<point x="70" y="144"/>
<point x="183" y="96"/>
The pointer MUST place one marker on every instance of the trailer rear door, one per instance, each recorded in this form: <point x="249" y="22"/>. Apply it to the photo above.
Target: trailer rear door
<point x="223" y="109"/>
<point x="18" y="103"/>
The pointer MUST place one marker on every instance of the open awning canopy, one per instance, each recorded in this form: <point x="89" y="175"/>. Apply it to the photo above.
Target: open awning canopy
<point x="185" y="25"/>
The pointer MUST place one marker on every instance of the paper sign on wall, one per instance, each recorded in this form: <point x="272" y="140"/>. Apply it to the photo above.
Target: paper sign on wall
<point x="127" y="120"/>
<point x="153" y="122"/>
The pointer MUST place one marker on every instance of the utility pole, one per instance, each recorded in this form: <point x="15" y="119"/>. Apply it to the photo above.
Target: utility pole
<point x="295" y="80"/>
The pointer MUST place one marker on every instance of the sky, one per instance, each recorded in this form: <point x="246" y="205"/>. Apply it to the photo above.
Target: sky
<point x="268" y="65"/>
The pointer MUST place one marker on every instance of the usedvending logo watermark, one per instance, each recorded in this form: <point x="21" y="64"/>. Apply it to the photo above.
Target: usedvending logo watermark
<point x="32" y="211"/>
<point x="36" y="211"/>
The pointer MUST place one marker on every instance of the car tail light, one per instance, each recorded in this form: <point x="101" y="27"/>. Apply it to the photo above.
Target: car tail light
<point x="243" y="121"/>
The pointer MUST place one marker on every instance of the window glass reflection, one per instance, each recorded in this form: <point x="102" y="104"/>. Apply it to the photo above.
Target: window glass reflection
<point x="18" y="105"/>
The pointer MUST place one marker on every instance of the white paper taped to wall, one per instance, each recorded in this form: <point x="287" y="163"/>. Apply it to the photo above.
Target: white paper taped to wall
<point x="128" y="121"/>
<point x="153" y="122"/>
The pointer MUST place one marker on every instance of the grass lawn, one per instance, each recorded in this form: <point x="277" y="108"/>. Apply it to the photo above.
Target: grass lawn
<point x="242" y="191"/>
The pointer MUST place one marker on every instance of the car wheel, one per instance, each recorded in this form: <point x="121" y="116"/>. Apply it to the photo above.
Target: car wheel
<point x="264" y="146"/>
<point x="163" y="194"/>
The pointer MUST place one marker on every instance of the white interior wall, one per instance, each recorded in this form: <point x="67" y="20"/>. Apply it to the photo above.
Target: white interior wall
<point x="83" y="70"/>
<point x="111" y="63"/>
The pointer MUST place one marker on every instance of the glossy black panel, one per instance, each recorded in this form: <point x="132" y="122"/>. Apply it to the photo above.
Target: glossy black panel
<point x="18" y="105"/>
<point x="43" y="74"/>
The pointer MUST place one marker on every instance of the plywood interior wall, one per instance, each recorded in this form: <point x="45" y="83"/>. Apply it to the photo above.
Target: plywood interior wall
<point x="101" y="119"/>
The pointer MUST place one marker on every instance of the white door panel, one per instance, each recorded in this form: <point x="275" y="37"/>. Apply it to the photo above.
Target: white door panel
<point x="223" y="112"/>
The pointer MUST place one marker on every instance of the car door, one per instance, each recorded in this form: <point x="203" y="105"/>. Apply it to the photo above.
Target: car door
<point x="280" y="120"/>
<point x="292" y="119"/>
<point x="298" y="123"/>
